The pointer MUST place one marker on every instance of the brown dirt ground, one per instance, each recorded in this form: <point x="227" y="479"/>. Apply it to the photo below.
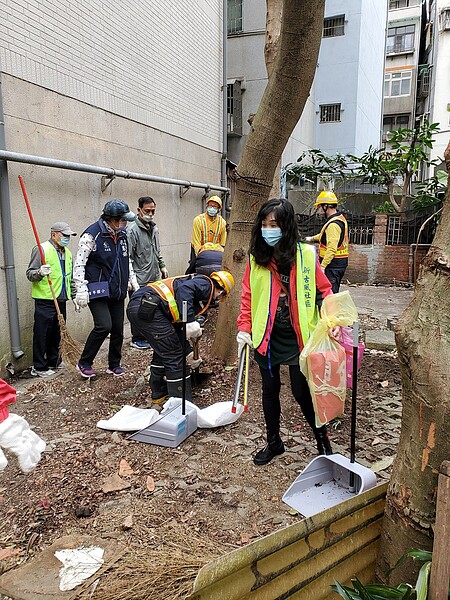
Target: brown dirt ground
<point x="208" y="486"/>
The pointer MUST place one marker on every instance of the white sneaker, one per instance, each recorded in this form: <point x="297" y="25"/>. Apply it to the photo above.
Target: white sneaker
<point x="47" y="373"/>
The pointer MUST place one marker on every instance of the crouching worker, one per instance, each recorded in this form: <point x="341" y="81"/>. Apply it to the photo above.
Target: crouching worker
<point x="156" y="312"/>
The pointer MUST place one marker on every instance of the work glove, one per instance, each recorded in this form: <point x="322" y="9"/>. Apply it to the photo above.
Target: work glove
<point x="17" y="437"/>
<point x="44" y="270"/>
<point x="192" y="362"/>
<point x="243" y="338"/>
<point x="82" y="299"/>
<point x="134" y="286"/>
<point x="164" y="273"/>
<point x="193" y="330"/>
<point x="76" y="305"/>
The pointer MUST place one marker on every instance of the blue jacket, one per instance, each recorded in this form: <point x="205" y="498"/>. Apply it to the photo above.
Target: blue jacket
<point x="100" y="263"/>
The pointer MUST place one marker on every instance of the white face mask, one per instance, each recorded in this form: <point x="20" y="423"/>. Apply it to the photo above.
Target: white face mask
<point x="147" y="218"/>
<point x="212" y="212"/>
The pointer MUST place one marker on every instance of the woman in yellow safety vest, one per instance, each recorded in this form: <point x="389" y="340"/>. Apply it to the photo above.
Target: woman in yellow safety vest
<point x="281" y="288"/>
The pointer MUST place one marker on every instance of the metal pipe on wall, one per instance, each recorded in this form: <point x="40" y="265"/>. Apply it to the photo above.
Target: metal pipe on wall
<point x="223" y="179"/>
<point x="106" y="171"/>
<point x="8" y="250"/>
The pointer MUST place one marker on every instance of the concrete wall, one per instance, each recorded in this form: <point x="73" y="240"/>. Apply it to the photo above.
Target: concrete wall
<point x="113" y="86"/>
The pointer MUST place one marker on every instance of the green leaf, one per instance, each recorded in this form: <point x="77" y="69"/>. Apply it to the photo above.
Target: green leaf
<point x="343" y="591"/>
<point x="422" y="581"/>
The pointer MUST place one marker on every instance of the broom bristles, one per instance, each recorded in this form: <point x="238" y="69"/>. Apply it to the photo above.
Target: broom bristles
<point x="69" y="348"/>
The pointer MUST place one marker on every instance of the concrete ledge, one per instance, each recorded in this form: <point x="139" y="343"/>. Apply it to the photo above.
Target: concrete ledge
<point x="380" y="339"/>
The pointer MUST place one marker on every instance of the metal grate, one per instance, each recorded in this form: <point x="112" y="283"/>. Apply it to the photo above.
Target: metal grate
<point x="360" y="227"/>
<point x="333" y="26"/>
<point x="406" y="231"/>
<point x="330" y="113"/>
<point x="234" y="14"/>
<point x="234" y="109"/>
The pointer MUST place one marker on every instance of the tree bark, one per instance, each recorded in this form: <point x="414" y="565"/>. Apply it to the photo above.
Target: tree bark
<point x="423" y="343"/>
<point x="280" y="109"/>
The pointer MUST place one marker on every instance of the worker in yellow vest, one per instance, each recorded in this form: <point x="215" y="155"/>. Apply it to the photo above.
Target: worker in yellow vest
<point x="57" y="266"/>
<point x="155" y="312"/>
<point x="333" y="240"/>
<point x="209" y="226"/>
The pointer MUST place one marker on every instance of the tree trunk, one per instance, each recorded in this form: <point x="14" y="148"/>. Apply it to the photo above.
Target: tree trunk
<point x="280" y="109"/>
<point x="423" y="342"/>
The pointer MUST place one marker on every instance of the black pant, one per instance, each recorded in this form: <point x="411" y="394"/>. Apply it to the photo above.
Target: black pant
<point x="167" y="342"/>
<point x="335" y="275"/>
<point x="108" y="317"/>
<point x="46" y="334"/>
<point x="271" y="385"/>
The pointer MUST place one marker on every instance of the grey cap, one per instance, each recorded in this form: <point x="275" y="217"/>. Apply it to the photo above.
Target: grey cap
<point x="63" y="228"/>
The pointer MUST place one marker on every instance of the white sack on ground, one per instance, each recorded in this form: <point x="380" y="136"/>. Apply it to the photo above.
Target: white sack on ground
<point x="17" y="437"/>
<point x="130" y="418"/>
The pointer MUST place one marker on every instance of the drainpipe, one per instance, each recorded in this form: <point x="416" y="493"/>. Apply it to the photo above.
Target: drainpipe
<point x="411" y="265"/>
<point x="223" y="179"/>
<point x="8" y="251"/>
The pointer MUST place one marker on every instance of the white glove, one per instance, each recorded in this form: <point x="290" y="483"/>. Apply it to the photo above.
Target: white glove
<point x="82" y="299"/>
<point x="309" y="239"/>
<point x="194" y="363"/>
<point x="16" y="436"/>
<point x="44" y="270"/>
<point x="164" y="273"/>
<point x="134" y="286"/>
<point x="193" y="330"/>
<point x="243" y="338"/>
<point x="76" y="305"/>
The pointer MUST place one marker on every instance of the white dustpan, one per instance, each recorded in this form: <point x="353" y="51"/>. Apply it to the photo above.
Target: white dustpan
<point x="330" y="480"/>
<point x="325" y="482"/>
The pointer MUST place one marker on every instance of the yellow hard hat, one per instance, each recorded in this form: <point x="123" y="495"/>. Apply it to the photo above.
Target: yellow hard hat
<point x="211" y="246"/>
<point x="325" y="197"/>
<point x="214" y="199"/>
<point x="225" y="279"/>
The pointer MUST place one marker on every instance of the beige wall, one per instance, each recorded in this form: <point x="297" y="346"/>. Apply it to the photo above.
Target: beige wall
<point x="44" y="123"/>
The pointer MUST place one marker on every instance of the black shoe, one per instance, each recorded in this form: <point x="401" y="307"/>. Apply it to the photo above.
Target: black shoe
<point x="264" y="456"/>
<point x="323" y="441"/>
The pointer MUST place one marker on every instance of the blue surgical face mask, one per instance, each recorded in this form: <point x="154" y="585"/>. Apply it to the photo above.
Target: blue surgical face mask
<point x="64" y="241"/>
<point x="212" y="212"/>
<point x="271" y="235"/>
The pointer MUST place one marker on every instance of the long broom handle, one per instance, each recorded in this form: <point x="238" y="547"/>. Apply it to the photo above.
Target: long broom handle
<point x="247" y="364"/>
<point x="354" y="392"/>
<point x="238" y="381"/>
<point x="38" y="242"/>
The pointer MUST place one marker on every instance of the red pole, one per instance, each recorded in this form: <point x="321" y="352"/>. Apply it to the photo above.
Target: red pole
<point x="30" y="214"/>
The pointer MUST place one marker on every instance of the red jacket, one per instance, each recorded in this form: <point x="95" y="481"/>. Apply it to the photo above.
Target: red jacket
<point x="244" y="320"/>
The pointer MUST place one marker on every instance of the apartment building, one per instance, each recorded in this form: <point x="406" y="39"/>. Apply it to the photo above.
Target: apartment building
<point x="344" y="110"/>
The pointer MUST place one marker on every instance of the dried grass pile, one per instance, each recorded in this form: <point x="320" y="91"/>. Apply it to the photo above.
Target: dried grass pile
<point x="156" y="570"/>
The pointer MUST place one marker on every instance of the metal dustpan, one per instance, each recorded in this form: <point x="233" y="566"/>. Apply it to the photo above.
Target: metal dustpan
<point x="174" y="426"/>
<point x="330" y="480"/>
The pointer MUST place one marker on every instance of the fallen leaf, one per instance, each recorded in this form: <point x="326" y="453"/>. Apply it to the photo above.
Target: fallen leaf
<point x="384" y="383"/>
<point x="125" y="469"/>
<point x="128" y="522"/>
<point x="150" y="484"/>
<point x="376" y="441"/>
<point x="114" y="483"/>
<point x="229" y="368"/>
<point x="245" y="538"/>
<point x="8" y="553"/>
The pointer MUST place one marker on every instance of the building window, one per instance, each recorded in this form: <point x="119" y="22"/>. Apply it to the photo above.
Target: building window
<point x="445" y="18"/>
<point x="333" y="26"/>
<point x="394" y="122"/>
<point x="400" y="39"/>
<point x="330" y="113"/>
<point x="234" y="13"/>
<point x="397" y="83"/>
<point x="234" y="108"/>
<point x="393" y="4"/>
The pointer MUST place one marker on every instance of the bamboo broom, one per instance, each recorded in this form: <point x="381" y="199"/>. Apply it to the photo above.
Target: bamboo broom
<point x="70" y="350"/>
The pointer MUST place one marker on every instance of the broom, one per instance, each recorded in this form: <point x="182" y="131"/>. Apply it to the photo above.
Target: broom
<point x="70" y="350"/>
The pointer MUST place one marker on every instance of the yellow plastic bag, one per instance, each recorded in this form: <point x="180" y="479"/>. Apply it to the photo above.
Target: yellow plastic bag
<point x="323" y="361"/>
